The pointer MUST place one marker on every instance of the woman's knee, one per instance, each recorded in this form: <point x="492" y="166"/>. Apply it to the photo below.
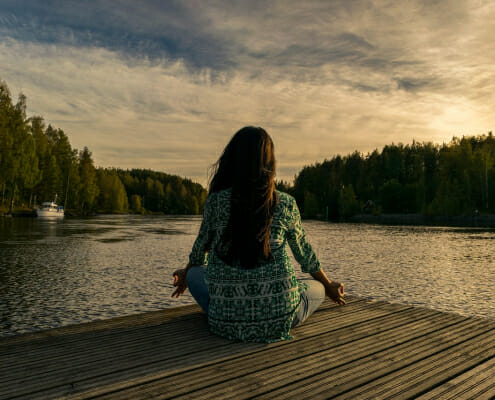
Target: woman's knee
<point x="195" y="279"/>
<point x="195" y="274"/>
<point x="316" y="290"/>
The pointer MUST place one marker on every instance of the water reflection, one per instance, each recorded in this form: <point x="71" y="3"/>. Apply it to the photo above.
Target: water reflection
<point x="55" y="273"/>
<point x="442" y="268"/>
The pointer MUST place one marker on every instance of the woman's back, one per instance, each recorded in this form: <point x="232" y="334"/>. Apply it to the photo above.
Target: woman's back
<point x="249" y="288"/>
<point x="256" y="304"/>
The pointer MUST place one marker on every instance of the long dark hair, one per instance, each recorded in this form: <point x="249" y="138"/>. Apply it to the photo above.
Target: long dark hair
<point x="247" y="165"/>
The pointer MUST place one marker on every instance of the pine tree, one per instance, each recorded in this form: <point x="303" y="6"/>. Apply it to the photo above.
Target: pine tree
<point x="88" y="184"/>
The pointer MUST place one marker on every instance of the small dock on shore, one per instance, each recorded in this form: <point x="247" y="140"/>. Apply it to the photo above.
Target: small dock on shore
<point x="364" y="350"/>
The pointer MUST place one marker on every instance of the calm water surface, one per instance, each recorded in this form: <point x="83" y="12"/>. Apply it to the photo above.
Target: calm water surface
<point x="78" y="270"/>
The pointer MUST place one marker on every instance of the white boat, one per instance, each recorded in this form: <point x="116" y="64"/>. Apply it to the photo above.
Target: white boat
<point x="50" y="209"/>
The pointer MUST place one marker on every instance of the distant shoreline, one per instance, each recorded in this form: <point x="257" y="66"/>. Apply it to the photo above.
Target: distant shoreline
<point x="484" y="220"/>
<point x="27" y="213"/>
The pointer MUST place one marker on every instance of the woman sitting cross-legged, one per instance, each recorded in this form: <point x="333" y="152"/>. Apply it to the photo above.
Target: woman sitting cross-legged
<point x="239" y="270"/>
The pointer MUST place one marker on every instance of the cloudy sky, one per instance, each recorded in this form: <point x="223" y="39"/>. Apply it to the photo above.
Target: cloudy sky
<point x="164" y="85"/>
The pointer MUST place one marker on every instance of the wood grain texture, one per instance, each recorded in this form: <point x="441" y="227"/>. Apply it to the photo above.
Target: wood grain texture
<point x="366" y="349"/>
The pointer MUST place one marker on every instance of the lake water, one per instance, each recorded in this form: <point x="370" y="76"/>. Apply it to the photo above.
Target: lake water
<point x="77" y="270"/>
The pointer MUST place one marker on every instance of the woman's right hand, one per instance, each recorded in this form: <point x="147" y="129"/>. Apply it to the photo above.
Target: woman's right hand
<point x="180" y="282"/>
<point x="335" y="290"/>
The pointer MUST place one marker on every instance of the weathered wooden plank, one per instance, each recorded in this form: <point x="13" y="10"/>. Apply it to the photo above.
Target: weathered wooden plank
<point x="338" y="351"/>
<point x="93" y="345"/>
<point x="244" y="364"/>
<point x="280" y="376"/>
<point x="185" y="331"/>
<point x="48" y="344"/>
<point x="45" y="344"/>
<point x="150" y="361"/>
<point x="476" y="383"/>
<point x="90" y="352"/>
<point x="343" y="373"/>
<point x="74" y="369"/>
<point x="200" y="359"/>
<point x="382" y="364"/>
<point x="87" y="369"/>
<point x="129" y="321"/>
<point x="278" y="356"/>
<point x="77" y="372"/>
<point x="12" y="366"/>
<point x="258" y="370"/>
<point x="415" y="379"/>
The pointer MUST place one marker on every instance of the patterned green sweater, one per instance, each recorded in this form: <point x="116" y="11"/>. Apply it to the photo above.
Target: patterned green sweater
<point x="259" y="304"/>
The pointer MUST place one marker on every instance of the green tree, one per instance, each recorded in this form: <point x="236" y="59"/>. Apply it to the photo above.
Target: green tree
<point x="113" y="197"/>
<point x="22" y="169"/>
<point x="7" y="161"/>
<point x="391" y="196"/>
<point x="74" y="186"/>
<point x="348" y="202"/>
<point x="88" y="185"/>
<point x="136" y="204"/>
<point x="64" y="156"/>
<point x="28" y="173"/>
<point x="312" y="206"/>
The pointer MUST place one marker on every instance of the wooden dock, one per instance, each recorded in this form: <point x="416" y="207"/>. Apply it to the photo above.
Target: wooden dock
<point x="365" y="350"/>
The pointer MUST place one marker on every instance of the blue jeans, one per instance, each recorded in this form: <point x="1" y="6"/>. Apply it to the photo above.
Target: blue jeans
<point x="311" y="298"/>
<point x="195" y="279"/>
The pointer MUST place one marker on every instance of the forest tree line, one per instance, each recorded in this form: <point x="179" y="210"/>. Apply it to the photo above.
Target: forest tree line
<point x="37" y="163"/>
<point x="456" y="178"/>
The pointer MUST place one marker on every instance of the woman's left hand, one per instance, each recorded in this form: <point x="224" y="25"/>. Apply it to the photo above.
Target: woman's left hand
<point x="180" y="282"/>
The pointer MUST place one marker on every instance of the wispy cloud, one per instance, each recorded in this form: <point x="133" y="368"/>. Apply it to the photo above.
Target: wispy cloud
<point x="165" y="86"/>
